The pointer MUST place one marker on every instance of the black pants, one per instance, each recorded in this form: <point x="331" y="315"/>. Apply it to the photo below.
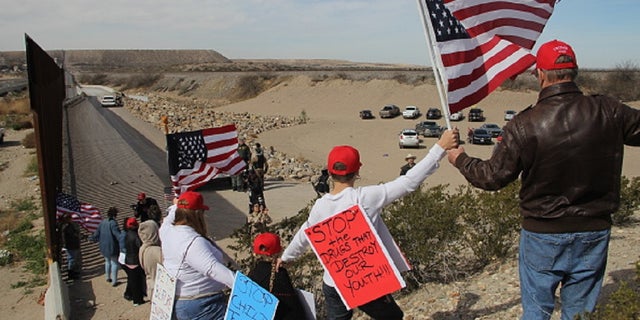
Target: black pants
<point x="136" y="284"/>
<point x="384" y="307"/>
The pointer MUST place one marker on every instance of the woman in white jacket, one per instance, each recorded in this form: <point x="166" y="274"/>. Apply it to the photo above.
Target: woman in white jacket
<point x="194" y="260"/>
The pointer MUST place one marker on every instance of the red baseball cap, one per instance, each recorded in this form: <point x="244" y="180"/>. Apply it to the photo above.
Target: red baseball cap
<point x="141" y="195"/>
<point x="267" y="243"/>
<point x="131" y="223"/>
<point x="551" y="51"/>
<point x="191" y="200"/>
<point x="347" y="155"/>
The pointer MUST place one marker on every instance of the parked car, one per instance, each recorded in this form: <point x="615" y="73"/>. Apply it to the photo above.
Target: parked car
<point x="434" y="113"/>
<point x="1" y="135"/>
<point x="456" y="116"/>
<point x="408" y="138"/>
<point x="481" y="136"/>
<point x="389" y="111"/>
<point x="366" y="114"/>
<point x="428" y="129"/>
<point x="476" y="114"/>
<point x="509" y="114"/>
<point x="108" y="101"/>
<point x="493" y="129"/>
<point x="411" y="112"/>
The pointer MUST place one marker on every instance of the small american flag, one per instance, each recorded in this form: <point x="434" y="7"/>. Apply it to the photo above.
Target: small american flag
<point x="196" y="157"/>
<point x="84" y="214"/>
<point x="483" y="43"/>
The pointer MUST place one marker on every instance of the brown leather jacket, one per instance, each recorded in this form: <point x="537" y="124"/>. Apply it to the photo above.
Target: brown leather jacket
<point x="568" y="151"/>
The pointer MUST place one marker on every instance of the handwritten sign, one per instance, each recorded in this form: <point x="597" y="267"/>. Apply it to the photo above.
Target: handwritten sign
<point x="352" y="253"/>
<point x="164" y="293"/>
<point x="249" y="301"/>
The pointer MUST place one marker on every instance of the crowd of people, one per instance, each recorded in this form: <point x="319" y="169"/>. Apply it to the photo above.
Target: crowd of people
<point x="570" y="173"/>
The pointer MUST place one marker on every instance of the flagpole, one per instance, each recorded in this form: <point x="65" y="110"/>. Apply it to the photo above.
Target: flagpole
<point x="436" y="62"/>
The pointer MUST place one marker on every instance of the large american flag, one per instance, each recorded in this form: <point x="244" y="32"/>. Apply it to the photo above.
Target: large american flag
<point x="481" y="43"/>
<point x="196" y="157"/>
<point x="84" y="214"/>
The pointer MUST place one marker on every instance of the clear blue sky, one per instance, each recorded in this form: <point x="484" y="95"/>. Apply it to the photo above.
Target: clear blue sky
<point x="603" y="33"/>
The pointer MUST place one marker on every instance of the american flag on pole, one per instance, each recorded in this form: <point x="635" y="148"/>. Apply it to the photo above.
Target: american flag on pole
<point x="196" y="157"/>
<point x="481" y="43"/>
<point x="84" y="214"/>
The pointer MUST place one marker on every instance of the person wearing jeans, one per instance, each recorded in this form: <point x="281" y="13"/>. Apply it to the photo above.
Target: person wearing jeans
<point x="107" y="235"/>
<point x="567" y="150"/>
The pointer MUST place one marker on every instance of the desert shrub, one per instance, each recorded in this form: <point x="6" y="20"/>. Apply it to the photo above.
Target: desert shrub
<point x="32" y="167"/>
<point x="491" y="220"/>
<point x="29" y="141"/>
<point x="521" y="83"/>
<point x="26" y="204"/>
<point x="426" y="227"/>
<point x="249" y="87"/>
<point x="24" y="244"/>
<point x="629" y="200"/>
<point x="623" y="304"/>
<point x="623" y="82"/>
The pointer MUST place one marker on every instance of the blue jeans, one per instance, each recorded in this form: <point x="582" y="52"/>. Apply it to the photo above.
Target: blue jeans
<point x="575" y="260"/>
<point x="74" y="260"/>
<point x="111" y="266"/>
<point x="206" y="308"/>
<point x="384" y="307"/>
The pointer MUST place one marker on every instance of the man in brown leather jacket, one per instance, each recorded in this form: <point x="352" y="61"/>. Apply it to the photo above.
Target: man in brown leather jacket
<point x="567" y="149"/>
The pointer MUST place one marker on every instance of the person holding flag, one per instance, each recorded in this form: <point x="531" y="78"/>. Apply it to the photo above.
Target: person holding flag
<point x="344" y="166"/>
<point x="567" y="150"/>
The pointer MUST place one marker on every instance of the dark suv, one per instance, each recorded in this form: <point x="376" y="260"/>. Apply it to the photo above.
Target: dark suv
<point x="434" y="113"/>
<point x="476" y="114"/>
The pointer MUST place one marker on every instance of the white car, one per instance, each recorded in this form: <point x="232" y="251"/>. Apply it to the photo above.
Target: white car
<point x="509" y="114"/>
<point x="408" y="138"/>
<point x="411" y="112"/>
<point x="108" y="101"/>
<point x="456" y="116"/>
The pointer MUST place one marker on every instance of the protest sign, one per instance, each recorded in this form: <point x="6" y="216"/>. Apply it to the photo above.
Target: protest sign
<point x="164" y="293"/>
<point x="249" y="301"/>
<point x="353" y="254"/>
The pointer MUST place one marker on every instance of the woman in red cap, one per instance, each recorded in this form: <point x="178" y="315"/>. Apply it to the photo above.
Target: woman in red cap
<point x="135" y="275"/>
<point x="267" y="249"/>
<point x="194" y="260"/>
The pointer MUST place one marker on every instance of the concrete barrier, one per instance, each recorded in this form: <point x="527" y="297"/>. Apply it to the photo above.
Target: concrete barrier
<point x="56" y="300"/>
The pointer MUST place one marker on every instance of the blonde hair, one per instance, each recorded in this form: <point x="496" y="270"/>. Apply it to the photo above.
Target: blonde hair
<point x="192" y="218"/>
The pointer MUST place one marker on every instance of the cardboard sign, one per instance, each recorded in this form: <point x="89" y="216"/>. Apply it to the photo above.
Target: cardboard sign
<point x="249" y="301"/>
<point x="352" y="253"/>
<point x="164" y="293"/>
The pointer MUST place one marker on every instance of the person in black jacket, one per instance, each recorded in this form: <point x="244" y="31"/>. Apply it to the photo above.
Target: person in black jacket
<point x="136" y="281"/>
<point x="568" y="151"/>
<point x="141" y="208"/>
<point x="267" y="248"/>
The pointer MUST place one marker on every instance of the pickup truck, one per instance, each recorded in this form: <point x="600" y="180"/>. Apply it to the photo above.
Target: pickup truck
<point x="411" y="112"/>
<point x="389" y="111"/>
<point x="1" y="135"/>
